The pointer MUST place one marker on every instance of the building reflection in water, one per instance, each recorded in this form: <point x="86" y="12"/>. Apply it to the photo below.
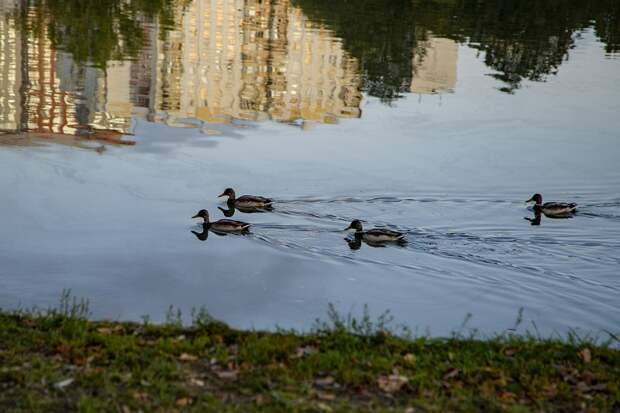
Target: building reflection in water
<point x="251" y="60"/>
<point x="10" y="70"/>
<point x="221" y="61"/>
<point x="434" y="68"/>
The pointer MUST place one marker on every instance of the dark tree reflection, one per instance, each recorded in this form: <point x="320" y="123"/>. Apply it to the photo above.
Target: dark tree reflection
<point x="520" y="39"/>
<point x="96" y="32"/>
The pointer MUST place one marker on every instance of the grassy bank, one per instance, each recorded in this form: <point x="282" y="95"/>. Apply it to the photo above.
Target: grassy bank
<point x="59" y="361"/>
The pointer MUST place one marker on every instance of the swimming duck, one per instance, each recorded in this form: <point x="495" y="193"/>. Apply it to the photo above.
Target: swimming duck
<point x="223" y="225"/>
<point x="245" y="201"/>
<point x="376" y="234"/>
<point x="552" y="208"/>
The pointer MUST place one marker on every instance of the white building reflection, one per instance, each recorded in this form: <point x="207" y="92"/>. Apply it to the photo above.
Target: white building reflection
<point x="10" y="68"/>
<point x="223" y="60"/>
<point x="434" y="68"/>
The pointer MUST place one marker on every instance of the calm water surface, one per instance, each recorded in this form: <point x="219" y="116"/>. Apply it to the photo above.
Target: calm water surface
<point x="121" y="119"/>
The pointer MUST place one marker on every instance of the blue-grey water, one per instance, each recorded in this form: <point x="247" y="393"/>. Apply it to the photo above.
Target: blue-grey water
<point x="107" y="156"/>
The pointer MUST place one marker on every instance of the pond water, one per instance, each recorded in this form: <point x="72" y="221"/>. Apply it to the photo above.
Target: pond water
<point x="122" y="119"/>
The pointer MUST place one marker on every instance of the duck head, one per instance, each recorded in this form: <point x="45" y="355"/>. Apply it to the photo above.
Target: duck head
<point x="229" y="192"/>
<point x="537" y="198"/>
<point x="202" y="214"/>
<point x="356" y="224"/>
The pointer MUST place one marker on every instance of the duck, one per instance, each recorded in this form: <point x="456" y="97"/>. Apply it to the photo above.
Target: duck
<point x="245" y="201"/>
<point x="222" y="225"/>
<point x="552" y="208"/>
<point x="375" y="235"/>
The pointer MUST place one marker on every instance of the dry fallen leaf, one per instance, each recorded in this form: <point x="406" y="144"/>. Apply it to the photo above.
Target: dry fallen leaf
<point x="586" y="355"/>
<point x="323" y="407"/>
<point x="392" y="383"/>
<point x="510" y="352"/>
<point x="583" y="387"/>
<point x="550" y="389"/>
<point x="324" y="381"/>
<point x="451" y="373"/>
<point x="187" y="357"/>
<point x="599" y="387"/>
<point x="233" y="349"/>
<point x="197" y="382"/>
<point x="325" y="396"/>
<point x="64" y="349"/>
<point x="409" y="358"/>
<point x="141" y="396"/>
<point x="228" y="375"/>
<point x="184" y="401"/>
<point x="304" y="351"/>
<point x="508" y="396"/>
<point x="64" y="383"/>
<point x="110" y="330"/>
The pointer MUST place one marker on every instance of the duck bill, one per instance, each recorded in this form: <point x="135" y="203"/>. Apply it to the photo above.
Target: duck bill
<point x="221" y="195"/>
<point x="530" y="200"/>
<point x="196" y="216"/>
<point x="347" y="228"/>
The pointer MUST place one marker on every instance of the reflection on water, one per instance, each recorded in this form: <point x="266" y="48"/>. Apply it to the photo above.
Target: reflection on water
<point x="355" y="243"/>
<point x="537" y="218"/>
<point x="229" y="211"/>
<point x="203" y="234"/>
<point x="520" y="39"/>
<point x="90" y="69"/>
<point x="217" y="61"/>
<point x="456" y="110"/>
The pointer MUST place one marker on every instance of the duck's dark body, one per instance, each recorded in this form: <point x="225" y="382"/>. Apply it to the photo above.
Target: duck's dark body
<point x="246" y="201"/>
<point x="375" y="235"/>
<point x="222" y="225"/>
<point x="228" y="225"/>
<point x="250" y="201"/>
<point x="555" y="208"/>
<point x="381" y="235"/>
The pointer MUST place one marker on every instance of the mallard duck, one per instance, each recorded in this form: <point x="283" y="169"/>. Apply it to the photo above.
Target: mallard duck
<point x="376" y="234"/>
<point x="223" y="225"/>
<point x="552" y="208"/>
<point x="245" y="201"/>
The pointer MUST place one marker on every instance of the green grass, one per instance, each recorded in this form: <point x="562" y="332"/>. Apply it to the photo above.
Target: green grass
<point x="60" y="361"/>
